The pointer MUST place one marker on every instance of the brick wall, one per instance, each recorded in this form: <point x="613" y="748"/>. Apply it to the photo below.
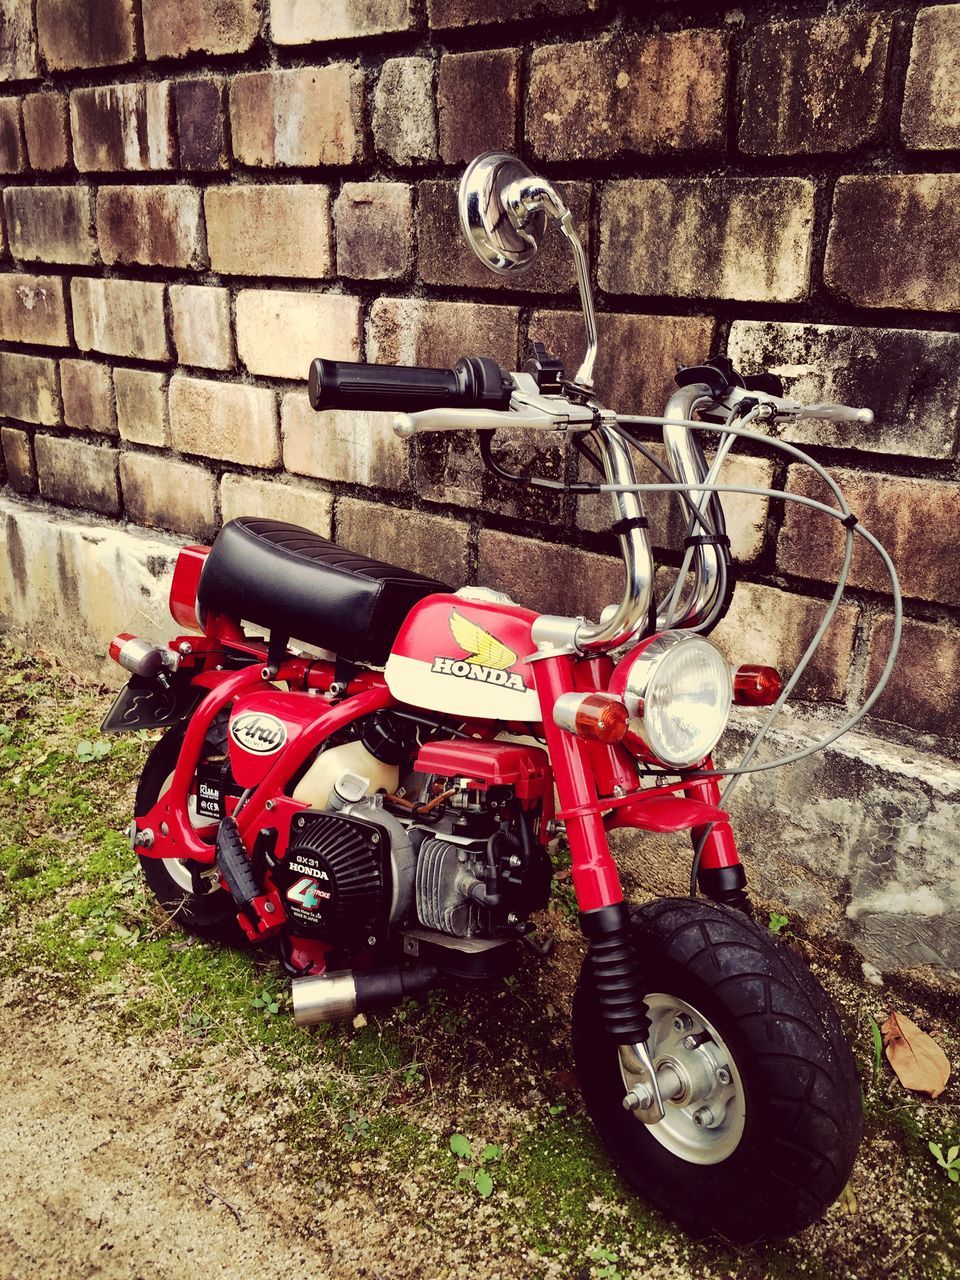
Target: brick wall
<point x="198" y="197"/>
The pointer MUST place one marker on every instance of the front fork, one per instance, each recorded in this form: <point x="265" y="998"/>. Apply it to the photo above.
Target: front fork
<point x="604" y="916"/>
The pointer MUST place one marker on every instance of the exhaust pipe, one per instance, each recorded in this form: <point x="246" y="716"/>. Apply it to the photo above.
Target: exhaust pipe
<point x="335" y="997"/>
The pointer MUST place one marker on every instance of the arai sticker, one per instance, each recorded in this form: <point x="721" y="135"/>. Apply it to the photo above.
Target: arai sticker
<point x="254" y="731"/>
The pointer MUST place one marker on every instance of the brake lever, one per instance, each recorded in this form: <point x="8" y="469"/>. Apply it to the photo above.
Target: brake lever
<point x="527" y="409"/>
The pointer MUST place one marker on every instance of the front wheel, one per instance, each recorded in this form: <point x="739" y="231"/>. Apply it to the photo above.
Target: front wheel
<point x="763" y="1120"/>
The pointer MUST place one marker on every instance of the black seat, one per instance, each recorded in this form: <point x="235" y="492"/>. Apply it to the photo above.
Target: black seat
<point x="300" y="585"/>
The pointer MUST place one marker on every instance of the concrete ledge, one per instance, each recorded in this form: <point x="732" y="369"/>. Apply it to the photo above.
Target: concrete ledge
<point x="859" y="839"/>
<point x="69" y="584"/>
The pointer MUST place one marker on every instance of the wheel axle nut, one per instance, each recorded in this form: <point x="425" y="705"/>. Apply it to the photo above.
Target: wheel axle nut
<point x="636" y="1100"/>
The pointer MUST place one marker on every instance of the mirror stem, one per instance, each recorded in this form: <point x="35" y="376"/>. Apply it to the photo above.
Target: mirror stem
<point x="584" y="376"/>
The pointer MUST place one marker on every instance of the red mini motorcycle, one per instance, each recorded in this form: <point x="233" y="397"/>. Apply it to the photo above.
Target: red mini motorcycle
<point x="380" y="803"/>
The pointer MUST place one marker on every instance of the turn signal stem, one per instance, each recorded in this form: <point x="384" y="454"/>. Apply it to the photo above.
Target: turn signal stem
<point x="755" y="686"/>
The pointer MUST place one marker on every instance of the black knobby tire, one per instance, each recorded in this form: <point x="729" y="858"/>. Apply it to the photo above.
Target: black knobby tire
<point x="211" y="914"/>
<point x="802" y="1117"/>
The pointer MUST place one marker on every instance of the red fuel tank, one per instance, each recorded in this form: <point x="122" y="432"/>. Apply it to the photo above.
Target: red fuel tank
<point x="465" y="657"/>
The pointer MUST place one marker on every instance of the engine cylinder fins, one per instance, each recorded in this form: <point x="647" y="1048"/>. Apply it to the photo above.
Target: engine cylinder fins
<point x="442" y="901"/>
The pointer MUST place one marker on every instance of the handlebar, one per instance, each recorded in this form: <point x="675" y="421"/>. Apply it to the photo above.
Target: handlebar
<point x="473" y="382"/>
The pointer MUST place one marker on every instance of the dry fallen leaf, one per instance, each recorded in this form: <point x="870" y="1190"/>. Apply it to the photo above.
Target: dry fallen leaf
<point x="917" y="1059"/>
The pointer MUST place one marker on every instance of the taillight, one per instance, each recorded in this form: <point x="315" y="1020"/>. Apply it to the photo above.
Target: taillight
<point x="600" y="717"/>
<point x="755" y="686"/>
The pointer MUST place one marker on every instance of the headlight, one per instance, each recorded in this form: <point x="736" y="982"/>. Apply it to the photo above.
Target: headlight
<point x="678" y="690"/>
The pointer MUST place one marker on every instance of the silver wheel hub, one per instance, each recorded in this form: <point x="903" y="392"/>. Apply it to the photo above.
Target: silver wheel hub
<point x="698" y="1079"/>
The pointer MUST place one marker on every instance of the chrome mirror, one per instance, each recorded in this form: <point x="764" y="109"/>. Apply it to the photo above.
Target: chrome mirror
<point x="504" y="212"/>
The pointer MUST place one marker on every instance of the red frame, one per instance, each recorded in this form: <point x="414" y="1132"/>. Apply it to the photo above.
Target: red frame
<point x="596" y="784"/>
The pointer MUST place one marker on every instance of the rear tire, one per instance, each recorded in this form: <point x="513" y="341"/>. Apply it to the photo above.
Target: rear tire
<point x="188" y="891"/>
<point x="774" y="1144"/>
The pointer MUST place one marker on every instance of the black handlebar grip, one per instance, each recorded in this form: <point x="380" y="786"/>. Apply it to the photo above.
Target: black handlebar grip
<point x="473" y="382"/>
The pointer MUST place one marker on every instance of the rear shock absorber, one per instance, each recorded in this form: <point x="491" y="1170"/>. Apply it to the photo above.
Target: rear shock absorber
<point x="615" y="971"/>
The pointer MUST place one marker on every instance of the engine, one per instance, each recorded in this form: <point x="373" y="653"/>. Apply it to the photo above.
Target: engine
<point x="456" y="857"/>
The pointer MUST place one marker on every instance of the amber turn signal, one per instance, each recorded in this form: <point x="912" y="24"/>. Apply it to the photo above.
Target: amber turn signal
<point x="755" y="686"/>
<point x="600" y="717"/>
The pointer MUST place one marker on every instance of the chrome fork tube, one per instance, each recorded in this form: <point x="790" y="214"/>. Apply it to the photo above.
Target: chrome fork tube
<point x="633" y="614"/>
<point x="689" y="466"/>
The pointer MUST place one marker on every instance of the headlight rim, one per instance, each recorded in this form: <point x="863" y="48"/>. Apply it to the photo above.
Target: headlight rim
<point x="641" y="670"/>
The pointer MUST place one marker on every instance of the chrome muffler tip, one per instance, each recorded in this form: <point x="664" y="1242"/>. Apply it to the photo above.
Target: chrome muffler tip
<point x="325" y="997"/>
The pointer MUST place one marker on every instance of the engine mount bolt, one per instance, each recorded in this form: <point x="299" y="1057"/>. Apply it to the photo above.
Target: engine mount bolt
<point x="682" y="1023"/>
<point x="270" y="804"/>
<point x="371" y="941"/>
<point x="269" y="908"/>
<point x="515" y="861"/>
<point x="703" y="1118"/>
<point x="723" y="1075"/>
<point x="185" y="649"/>
<point x="513" y="918"/>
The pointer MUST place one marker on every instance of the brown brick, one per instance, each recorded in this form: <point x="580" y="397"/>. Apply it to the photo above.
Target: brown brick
<point x="224" y="420"/>
<point x="76" y="474"/>
<point x="415" y="331"/>
<point x="18" y="41"/>
<point x="742" y="238"/>
<point x="18" y="457"/>
<point x="13" y="154"/>
<point x="51" y="224"/>
<point x="374" y="230"/>
<point x="547" y="576"/>
<point x="478" y="97"/>
<point x="336" y="444"/>
<point x="296" y="503"/>
<point x="201" y="134"/>
<point x="142" y="406"/>
<point x="910" y="378"/>
<point x="292" y="23"/>
<point x="924" y="688"/>
<point x="770" y="627"/>
<point x="32" y="309"/>
<point x="916" y="520"/>
<point x="270" y="230"/>
<point x="28" y="389"/>
<point x="86" y="33"/>
<point x="166" y="494"/>
<point x="279" y="333"/>
<point x="814" y="87"/>
<point x="201" y="326"/>
<point x="404" y="116"/>
<point x="175" y="28"/>
<point x="888" y="212"/>
<point x="643" y="381"/>
<point x="47" y="130"/>
<point x="120" y="318"/>
<point x="629" y="94"/>
<point x="464" y="13"/>
<point x="150" y="226"/>
<point x="432" y="545"/>
<point x="447" y="259"/>
<point x="931" y="103"/>
<point x="87" y="396"/>
<point x="122" y="126"/>
<point x="305" y="117"/>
